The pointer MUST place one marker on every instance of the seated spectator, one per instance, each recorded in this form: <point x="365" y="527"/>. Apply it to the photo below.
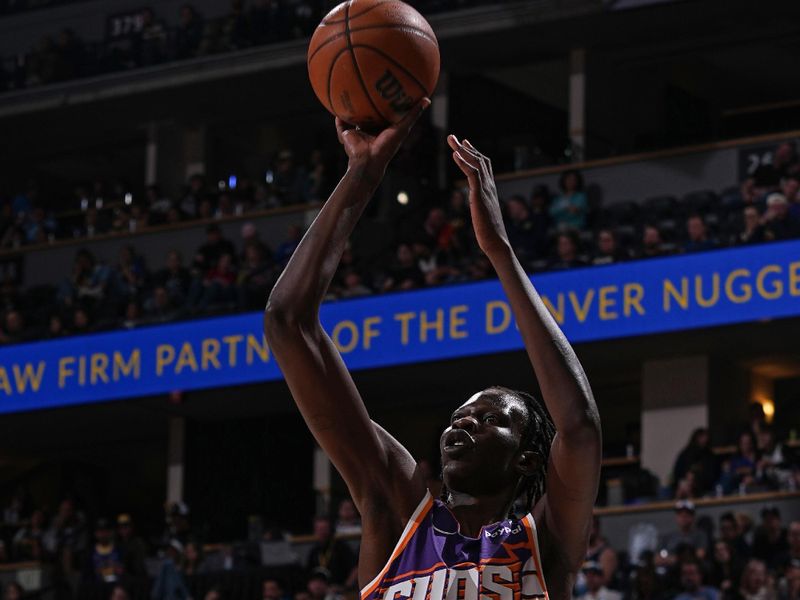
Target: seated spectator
<point x="294" y="233"/>
<point x="88" y="282"/>
<point x="519" y="227"/>
<point x="208" y="255"/>
<point x="540" y="217"/>
<point x="772" y="470"/>
<point x="174" y="278"/>
<point x="792" y="555"/>
<point x="570" y="208"/>
<point x="354" y="286"/>
<point x="320" y="586"/>
<point x="255" y="278"/>
<point x="189" y="33"/>
<point x="271" y="589"/>
<point x="754" y="584"/>
<point x="646" y="584"/>
<point x="600" y="551"/>
<point x="692" y="584"/>
<point x="290" y="180"/>
<point x="150" y="41"/>
<point x="132" y="546"/>
<point x="698" y="458"/>
<point x="652" y="243"/>
<point x="686" y="533"/>
<point x="698" y="238"/>
<point x="790" y="584"/>
<point x="595" y="589"/>
<point x="105" y="559"/>
<point x="753" y="230"/>
<point x="790" y="188"/>
<point x="784" y="163"/>
<point x="193" y="562"/>
<point x="607" y="250"/>
<point x="81" y="321"/>
<point x="170" y="584"/>
<point x="92" y="224"/>
<point x="156" y="201"/>
<point x="217" y="286"/>
<point x="726" y="568"/>
<point x="405" y="273"/>
<point x="119" y="593"/>
<point x="160" y="307"/>
<point x="739" y="471"/>
<point x="347" y="520"/>
<point x="235" y="28"/>
<point x="14" y="327"/>
<point x="129" y="274"/>
<point x="778" y="221"/>
<point x="770" y="542"/>
<point x="13" y="591"/>
<point x="729" y="533"/>
<point x="194" y="194"/>
<point x="567" y="252"/>
<point x="331" y="554"/>
<point x="28" y="541"/>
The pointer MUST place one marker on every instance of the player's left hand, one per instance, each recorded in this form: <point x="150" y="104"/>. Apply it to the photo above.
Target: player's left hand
<point x="484" y="205"/>
<point x="373" y="152"/>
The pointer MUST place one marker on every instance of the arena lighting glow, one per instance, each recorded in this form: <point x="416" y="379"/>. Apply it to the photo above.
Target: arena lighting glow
<point x="402" y="198"/>
<point x="221" y="184"/>
<point x="128" y="199"/>
<point x="769" y="410"/>
<point x="98" y="203"/>
<point x="84" y="203"/>
<point x="269" y="177"/>
<point x="232" y="181"/>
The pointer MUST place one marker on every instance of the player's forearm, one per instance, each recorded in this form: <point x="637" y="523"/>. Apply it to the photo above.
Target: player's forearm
<point x="563" y="383"/>
<point x="303" y="284"/>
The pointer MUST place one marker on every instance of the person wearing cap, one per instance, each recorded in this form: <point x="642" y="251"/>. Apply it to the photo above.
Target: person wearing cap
<point x="595" y="587"/>
<point x="105" y="560"/>
<point x="692" y="583"/>
<point x="770" y="542"/>
<point x="319" y="585"/>
<point x="208" y="254"/>
<point x="687" y="532"/>
<point x="778" y="221"/>
<point x="133" y="547"/>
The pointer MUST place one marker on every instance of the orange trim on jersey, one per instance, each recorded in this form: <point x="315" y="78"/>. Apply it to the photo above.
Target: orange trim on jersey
<point x="531" y="527"/>
<point x="411" y="528"/>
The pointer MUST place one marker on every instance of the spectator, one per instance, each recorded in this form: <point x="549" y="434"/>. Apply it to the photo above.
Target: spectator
<point x="770" y="543"/>
<point x="208" y="254"/>
<point x="17" y="507"/>
<point x="726" y="568"/>
<point x="754" y="584"/>
<point x="14" y="324"/>
<point x="189" y="33"/>
<point x="599" y="551"/>
<point x="174" y="278"/>
<point x="217" y="287"/>
<point x="255" y="278"/>
<point x="178" y="525"/>
<point x="729" y="533"/>
<point x="105" y="560"/>
<point x="331" y="554"/>
<point x="169" y="584"/>
<point x="698" y="239"/>
<point x="88" y="282"/>
<point x="778" y="221"/>
<point x="772" y="470"/>
<point x="129" y="275"/>
<point x="119" y="593"/>
<point x="520" y="229"/>
<point x="294" y="233"/>
<point x="92" y="224"/>
<point x="405" y="274"/>
<point x="790" y="584"/>
<point x="13" y="591"/>
<point x="160" y="306"/>
<point x="607" y="250"/>
<point x="783" y="164"/>
<point x="354" y="286"/>
<point x="595" y="589"/>
<point x="66" y="538"/>
<point x="540" y="217"/>
<point x="55" y="326"/>
<point x="792" y="555"/>
<point x="652" y="243"/>
<point x="191" y="200"/>
<point x="692" y="584"/>
<point x="271" y="589"/>
<point x="753" y="230"/>
<point x="686" y="533"/>
<point x="150" y="41"/>
<point x="739" y="472"/>
<point x="193" y="563"/>
<point x="235" y="34"/>
<point x="213" y="594"/>
<point x="347" y="520"/>
<point x="319" y="585"/>
<point x="268" y="21"/>
<point x="156" y="201"/>
<point x="646" y="584"/>
<point x="28" y="542"/>
<point x="567" y="252"/>
<point x="133" y="547"/>
<point x="698" y="459"/>
<point x="290" y="181"/>
<point x="81" y="321"/>
<point x="569" y="209"/>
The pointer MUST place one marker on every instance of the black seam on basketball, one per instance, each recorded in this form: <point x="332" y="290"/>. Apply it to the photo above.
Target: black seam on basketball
<point x="355" y="16"/>
<point x="421" y="32"/>
<point x="356" y="69"/>
<point x="397" y="64"/>
<point x="330" y="76"/>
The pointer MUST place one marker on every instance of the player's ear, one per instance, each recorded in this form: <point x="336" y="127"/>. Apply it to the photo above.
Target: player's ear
<point x="528" y="462"/>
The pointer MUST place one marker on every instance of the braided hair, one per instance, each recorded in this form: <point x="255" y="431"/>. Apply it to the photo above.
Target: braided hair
<point x="537" y="436"/>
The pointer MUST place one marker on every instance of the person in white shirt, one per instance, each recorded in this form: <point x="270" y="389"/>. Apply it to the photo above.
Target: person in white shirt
<point x="595" y="590"/>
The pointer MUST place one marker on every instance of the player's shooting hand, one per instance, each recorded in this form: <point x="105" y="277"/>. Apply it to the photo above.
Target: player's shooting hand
<point x="373" y="152"/>
<point x="484" y="205"/>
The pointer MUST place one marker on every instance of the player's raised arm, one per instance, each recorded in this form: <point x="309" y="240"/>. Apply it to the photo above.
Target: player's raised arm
<point x="317" y="377"/>
<point x="574" y="465"/>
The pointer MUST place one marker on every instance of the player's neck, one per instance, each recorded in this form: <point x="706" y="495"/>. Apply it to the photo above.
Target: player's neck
<point x="474" y="512"/>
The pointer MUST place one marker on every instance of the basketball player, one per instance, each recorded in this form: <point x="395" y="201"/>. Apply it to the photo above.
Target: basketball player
<point x="500" y="444"/>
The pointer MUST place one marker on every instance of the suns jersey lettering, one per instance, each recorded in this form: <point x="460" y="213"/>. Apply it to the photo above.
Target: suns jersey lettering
<point x="433" y="561"/>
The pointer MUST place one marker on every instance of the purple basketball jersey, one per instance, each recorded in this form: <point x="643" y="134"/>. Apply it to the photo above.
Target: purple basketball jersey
<point x="433" y="561"/>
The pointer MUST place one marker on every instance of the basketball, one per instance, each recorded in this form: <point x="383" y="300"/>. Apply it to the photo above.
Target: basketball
<point x="370" y="61"/>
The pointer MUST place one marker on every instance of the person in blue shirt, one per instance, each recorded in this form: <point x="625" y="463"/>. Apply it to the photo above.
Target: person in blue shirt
<point x="569" y="209"/>
<point x="692" y="584"/>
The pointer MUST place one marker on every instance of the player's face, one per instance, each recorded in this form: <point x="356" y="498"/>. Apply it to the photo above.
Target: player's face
<point x="481" y="447"/>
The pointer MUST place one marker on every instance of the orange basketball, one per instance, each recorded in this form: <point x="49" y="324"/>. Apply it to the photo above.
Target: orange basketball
<point x="370" y="61"/>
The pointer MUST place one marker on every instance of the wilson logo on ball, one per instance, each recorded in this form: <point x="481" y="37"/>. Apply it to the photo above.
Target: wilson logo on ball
<point x="391" y="90"/>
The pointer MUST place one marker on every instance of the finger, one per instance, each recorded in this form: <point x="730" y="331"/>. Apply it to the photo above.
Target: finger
<point x="487" y="161"/>
<point x="468" y="170"/>
<point x="341" y="127"/>
<point x="407" y="122"/>
<point x="467" y="156"/>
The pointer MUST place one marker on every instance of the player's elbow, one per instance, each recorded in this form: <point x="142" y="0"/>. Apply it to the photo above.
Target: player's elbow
<point x="583" y="428"/>
<point x="282" y="319"/>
